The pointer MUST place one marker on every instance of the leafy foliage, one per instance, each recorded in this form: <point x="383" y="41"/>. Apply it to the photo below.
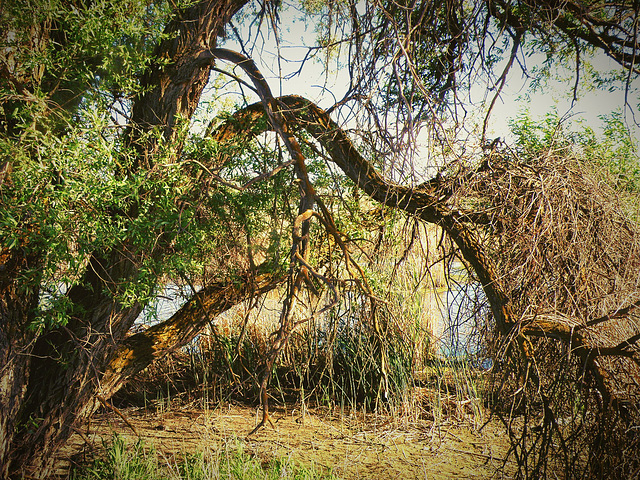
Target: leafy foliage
<point x="615" y="151"/>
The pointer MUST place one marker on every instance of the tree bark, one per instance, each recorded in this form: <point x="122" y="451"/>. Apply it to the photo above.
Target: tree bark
<point x="177" y="86"/>
<point x="59" y="378"/>
<point x="17" y="304"/>
<point x="140" y="350"/>
<point x="49" y="385"/>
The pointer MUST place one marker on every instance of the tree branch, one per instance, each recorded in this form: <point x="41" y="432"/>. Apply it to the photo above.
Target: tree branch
<point x="140" y="350"/>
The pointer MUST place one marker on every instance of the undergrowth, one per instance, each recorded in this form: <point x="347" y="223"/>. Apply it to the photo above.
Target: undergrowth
<point x="361" y="355"/>
<point x="124" y="461"/>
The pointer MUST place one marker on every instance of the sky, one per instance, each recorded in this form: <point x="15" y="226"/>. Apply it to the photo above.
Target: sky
<point x="325" y="88"/>
<point x="590" y="105"/>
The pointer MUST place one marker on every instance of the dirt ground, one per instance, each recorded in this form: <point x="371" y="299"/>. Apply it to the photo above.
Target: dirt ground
<point x="352" y="446"/>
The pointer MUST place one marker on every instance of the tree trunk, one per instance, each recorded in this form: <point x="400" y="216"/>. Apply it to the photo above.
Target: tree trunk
<point x="49" y="386"/>
<point x="16" y="344"/>
<point x="140" y="350"/>
<point x="65" y="367"/>
<point x="176" y="87"/>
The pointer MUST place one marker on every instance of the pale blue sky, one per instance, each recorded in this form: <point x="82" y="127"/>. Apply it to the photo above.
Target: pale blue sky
<point x="325" y="88"/>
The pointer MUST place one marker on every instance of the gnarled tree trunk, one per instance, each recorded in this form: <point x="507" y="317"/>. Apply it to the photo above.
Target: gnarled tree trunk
<point x="16" y="346"/>
<point x="49" y="383"/>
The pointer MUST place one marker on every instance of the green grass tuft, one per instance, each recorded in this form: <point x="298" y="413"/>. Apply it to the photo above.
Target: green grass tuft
<point x="124" y="461"/>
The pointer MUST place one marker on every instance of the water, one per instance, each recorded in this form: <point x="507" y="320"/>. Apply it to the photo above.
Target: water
<point x="455" y="331"/>
<point x="166" y="303"/>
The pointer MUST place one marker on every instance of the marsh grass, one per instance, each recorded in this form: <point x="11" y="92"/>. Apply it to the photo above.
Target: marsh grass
<point x="136" y="461"/>
<point x="337" y="365"/>
<point x="383" y="358"/>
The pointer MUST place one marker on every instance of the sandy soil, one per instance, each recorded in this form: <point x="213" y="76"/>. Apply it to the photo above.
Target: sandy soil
<point x="352" y="446"/>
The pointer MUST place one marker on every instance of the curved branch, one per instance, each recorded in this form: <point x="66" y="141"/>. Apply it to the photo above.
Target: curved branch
<point x="425" y="202"/>
<point x="429" y="201"/>
<point x="299" y="250"/>
<point x="589" y="23"/>
<point x="140" y="350"/>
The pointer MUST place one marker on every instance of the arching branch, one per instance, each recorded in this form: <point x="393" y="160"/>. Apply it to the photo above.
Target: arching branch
<point x="426" y="202"/>
<point x="430" y="202"/>
<point x="140" y="350"/>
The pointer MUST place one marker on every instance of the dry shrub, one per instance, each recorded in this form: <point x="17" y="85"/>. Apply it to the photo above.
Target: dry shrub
<point x="171" y="380"/>
<point x="567" y="249"/>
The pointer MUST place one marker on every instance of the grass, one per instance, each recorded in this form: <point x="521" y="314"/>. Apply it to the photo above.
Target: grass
<point x="123" y="461"/>
<point x="354" y="357"/>
<point x="335" y="361"/>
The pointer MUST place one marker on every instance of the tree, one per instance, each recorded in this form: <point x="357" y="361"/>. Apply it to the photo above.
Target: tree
<point x="47" y="379"/>
<point x="105" y="192"/>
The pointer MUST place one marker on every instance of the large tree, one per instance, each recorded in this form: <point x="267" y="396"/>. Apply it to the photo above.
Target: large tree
<point x="107" y="191"/>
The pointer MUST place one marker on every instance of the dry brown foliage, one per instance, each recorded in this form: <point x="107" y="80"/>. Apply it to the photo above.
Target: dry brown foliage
<point x="566" y="249"/>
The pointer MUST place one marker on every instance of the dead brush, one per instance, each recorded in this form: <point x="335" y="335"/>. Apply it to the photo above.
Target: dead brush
<point x="567" y="368"/>
<point x="171" y="380"/>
